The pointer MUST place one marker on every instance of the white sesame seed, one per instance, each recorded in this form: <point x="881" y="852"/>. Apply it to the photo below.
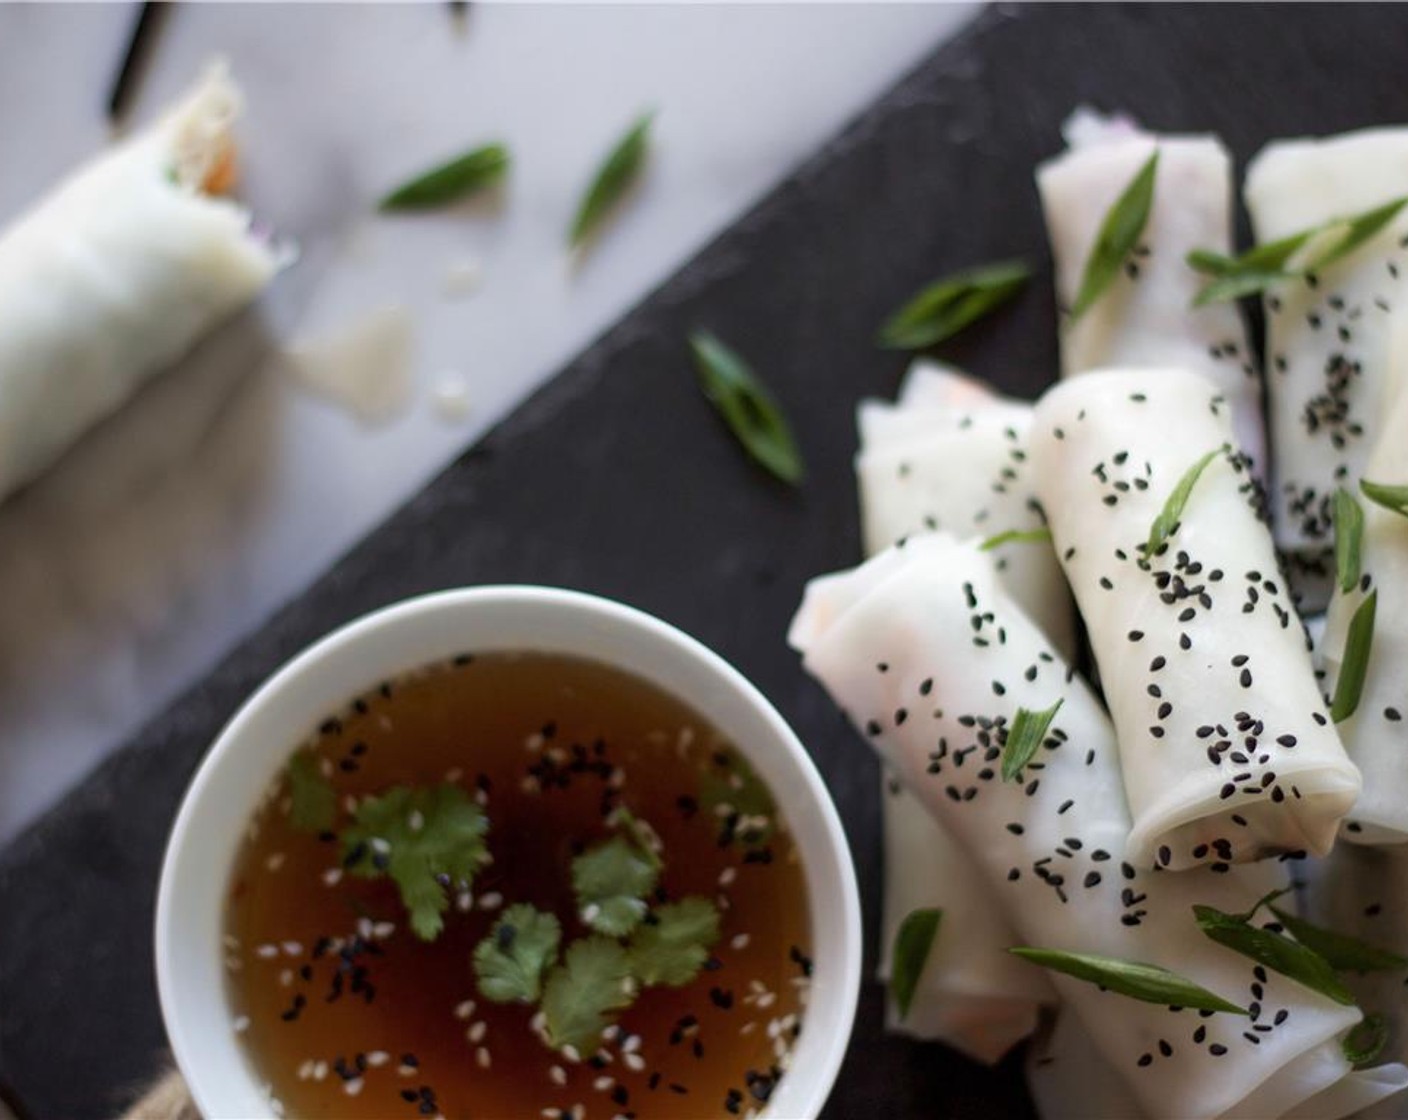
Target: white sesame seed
<point x="465" y="1008"/>
<point x="766" y="1000"/>
<point x="727" y="876"/>
<point x="579" y="1111"/>
<point x="234" y="964"/>
<point x="590" y="913"/>
<point x="631" y="1044"/>
<point x="416" y="820"/>
<point x="380" y="845"/>
<point x="464" y="902"/>
<point x="723" y="809"/>
<point x="557" y="1075"/>
<point x="286" y="978"/>
<point x="611" y="1032"/>
<point x="602" y="1057"/>
<point x="305" y="1071"/>
<point x="550" y="1113"/>
<point x="686" y="736"/>
<point x="364" y="928"/>
<point x="267" y="952"/>
<point x="332" y="876"/>
<point x="570" y="1053"/>
<point x="748" y="1028"/>
<point x="231" y="941"/>
<point x="349" y="803"/>
<point x="481" y="1057"/>
<point x="325" y="766"/>
<point x="534" y="742"/>
<point x="634" y="1062"/>
<point x="476" y="1031"/>
<point x="756" y="986"/>
<point x="382" y="930"/>
<point x="378" y="1058"/>
<point x="538" y="1022"/>
<point x="530" y="785"/>
<point x="275" y="861"/>
<point x="241" y="1024"/>
<point x="320" y="1071"/>
<point x="491" y="901"/>
<point x="404" y="1070"/>
<point x="293" y="948"/>
<point x="739" y="942"/>
<point x="603" y="1084"/>
<point x="353" y="1087"/>
<point x="481" y="797"/>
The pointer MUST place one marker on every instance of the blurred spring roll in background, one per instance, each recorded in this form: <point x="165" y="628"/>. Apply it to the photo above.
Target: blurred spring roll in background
<point x="1226" y="744"/>
<point x="962" y="660"/>
<point x="1335" y="337"/>
<point x="1146" y="319"/>
<point x="117" y="272"/>
<point x="950" y="454"/>
<point x="1375" y="734"/>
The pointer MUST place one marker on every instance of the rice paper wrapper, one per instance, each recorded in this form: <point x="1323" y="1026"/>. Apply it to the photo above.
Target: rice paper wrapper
<point x="1226" y="745"/>
<point x="115" y="274"/>
<point x="1335" y="341"/>
<point x="1376" y="735"/>
<point x="1070" y="1080"/>
<point x="1146" y="319"/>
<point x="961" y="660"/>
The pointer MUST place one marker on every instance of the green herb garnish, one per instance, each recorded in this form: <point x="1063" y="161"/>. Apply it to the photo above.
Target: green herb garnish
<point x="747" y="407"/>
<point x="1016" y="536"/>
<point x="1276" y="951"/>
<point x="612" y="881"/>
<point x="1392" y="498"/>
<point x="913" y="942"/>
<point x="615" y="175"/>
<point x="458" y="178"/>
<point x="1146" y="982"/>
<point x="1349" y="536"/>
<point x="1266" y="265"/>
<point x="942" y="309"/>
<point x="1118" y="237"/>
<point x="314" y="804"/>
<point x="1354" y="663"/>
<point x="672" y="944"/>
<point x="1365" y="1040"/>
<point x="511" y="960"/>
<point x="416" y="836"/>
<point x="1342" y="952"/>
<point x="1024" y="737"/>
<point x="582" y="993"/>
<point x="1166" y="524"/>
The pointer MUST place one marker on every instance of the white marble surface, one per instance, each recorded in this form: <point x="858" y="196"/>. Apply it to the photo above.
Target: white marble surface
<point x="226" y="488"/>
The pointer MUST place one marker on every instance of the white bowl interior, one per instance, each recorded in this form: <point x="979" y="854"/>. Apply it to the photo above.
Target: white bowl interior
<point x="258" y="740"/>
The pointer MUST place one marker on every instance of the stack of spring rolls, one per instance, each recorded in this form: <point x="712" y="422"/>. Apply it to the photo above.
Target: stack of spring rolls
<point x="1213" y="777"/>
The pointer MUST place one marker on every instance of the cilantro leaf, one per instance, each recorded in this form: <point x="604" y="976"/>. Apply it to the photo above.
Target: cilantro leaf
<point x="418" y="836"/>
<point x="314" y="806"/>
<point x="511" y="960"/>
<point x="581" y="993"/>
<point x="612" y="881"/>
<point x="672" y="945"/>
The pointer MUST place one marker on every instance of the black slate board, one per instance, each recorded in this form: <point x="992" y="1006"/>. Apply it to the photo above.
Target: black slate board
<point x="618" y="480"/>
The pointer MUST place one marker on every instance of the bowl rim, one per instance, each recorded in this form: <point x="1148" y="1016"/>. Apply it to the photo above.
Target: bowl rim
<point x="833" y="895"/>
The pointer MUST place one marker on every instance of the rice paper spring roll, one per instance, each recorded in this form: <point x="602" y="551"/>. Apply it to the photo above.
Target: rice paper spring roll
<point x="949" y="453"/>
<point x="116" y="273"/>
<point x="1146" y="319"/>
<point x="1226" y="745"/>
<point x="1335" y="339"/>
<point x="1375" y="735"/>
<point x="972" y="994"/>
<point x="961" y="661"/>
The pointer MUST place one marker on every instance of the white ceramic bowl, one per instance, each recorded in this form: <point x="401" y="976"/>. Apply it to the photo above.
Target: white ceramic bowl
<point x="258" y="740"/>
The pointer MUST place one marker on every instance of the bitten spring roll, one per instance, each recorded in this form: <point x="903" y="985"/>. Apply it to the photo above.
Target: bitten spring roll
<point x="950" y="454"/>
<point x="117" y="272"/>
<point x="1147" y="318"/>
<point x="1335" y="340"/>
<point x="1225" y="741"/>
<point x="961" y="661"/>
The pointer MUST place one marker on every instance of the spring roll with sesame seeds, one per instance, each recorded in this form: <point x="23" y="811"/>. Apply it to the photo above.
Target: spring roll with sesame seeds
<point x="1147" y="318"/>
<point x="1052" y="842"/>
<point x="1376" y="734"/>
<point x="943" y="455"/>
<point x="117" y="273"/>
<point x="1335" y="340"/>
<point x="1227" y="748"/>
